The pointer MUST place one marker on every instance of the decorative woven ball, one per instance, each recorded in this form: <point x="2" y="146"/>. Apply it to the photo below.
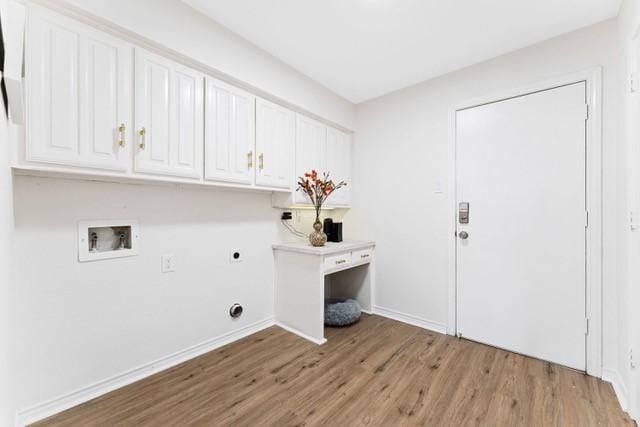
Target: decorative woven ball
<point x="341" y="312"/>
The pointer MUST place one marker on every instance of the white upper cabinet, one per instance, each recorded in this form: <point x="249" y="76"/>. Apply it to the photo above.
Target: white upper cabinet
<point x="338" y="164"/>
<point x="311" y="141"/>
<point x="168" y="117"/>
<point x="325" y="149"/>
<point x="275" y="132"/>
<point x="78" y="84"/>
<point x="97" y="104"/>
<point x="229" y="133"/>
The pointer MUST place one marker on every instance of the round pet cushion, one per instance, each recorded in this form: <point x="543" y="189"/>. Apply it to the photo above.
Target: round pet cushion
<point x="341" y="312"/>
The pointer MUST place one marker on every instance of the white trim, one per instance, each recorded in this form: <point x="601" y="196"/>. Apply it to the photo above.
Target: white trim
<point x="301" y="334"/>
<point x="84" y="394"/>
<point x="411" y="319"/>
<point x="593" y="79"/>
<point x="613" y="376"/>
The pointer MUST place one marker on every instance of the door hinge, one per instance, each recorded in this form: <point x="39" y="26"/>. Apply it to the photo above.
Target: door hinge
<point x="586" y="219"/>
<point x="586" y="326"/>
<point x="586" y="111"/>
<point x="634" y="82"/>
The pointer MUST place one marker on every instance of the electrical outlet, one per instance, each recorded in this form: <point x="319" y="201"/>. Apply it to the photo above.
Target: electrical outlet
<point x="168" y="263"/>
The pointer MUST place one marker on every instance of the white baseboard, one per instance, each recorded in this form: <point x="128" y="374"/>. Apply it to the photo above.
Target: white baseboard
<point x="411" y="319"/>
<point x="613" y="376"/>
<point x="301" y="334"/>
<point x="59" y="404"/>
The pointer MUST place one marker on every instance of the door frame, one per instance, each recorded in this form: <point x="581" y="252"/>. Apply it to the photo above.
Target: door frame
<point x="593" y="257"/>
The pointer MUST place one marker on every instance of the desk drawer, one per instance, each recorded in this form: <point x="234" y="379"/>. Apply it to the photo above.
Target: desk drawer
<point x="362" y="256"/>
<point x="337" y="261"/>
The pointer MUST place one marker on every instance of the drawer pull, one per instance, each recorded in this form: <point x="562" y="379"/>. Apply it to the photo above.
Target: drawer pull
<point x="364" y="256"/>
<point x="121" y="130"/>
<point x="142" y="144"/>
<point x="341" y="261"/>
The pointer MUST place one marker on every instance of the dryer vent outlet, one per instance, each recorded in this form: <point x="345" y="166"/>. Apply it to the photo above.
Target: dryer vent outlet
<point x="235" y="310"/>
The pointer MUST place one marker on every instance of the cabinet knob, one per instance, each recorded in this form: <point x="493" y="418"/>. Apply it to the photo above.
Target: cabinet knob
<point x="142" y="144"/>
<point x="122" y="130"/>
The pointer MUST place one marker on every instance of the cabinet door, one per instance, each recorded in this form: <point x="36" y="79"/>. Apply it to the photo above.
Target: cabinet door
<point x="79" y="92"/>
<point x="274" y="144"/>
<point x="338" y="164"/>
<point x="168" y="117"/>
<point x="310" y="150"/>
<point x="229" y="133"/>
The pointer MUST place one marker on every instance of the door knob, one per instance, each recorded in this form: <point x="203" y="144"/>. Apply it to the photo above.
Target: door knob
<point x="463" y="235"/>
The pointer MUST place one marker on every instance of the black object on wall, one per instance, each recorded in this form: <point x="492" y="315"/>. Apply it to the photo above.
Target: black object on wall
<point x="3" y="88"/>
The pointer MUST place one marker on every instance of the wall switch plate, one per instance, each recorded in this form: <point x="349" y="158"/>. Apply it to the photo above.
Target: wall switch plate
<point x="236" y="256"/>
<point x="438" y="187"/>
<point x="168" y="263"/>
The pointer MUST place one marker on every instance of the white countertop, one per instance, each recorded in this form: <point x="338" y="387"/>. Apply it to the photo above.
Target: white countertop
<point x="328" y="249"/>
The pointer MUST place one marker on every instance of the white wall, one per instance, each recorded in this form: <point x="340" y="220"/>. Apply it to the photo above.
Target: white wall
<point x="400" y="152"/>
<point x="629" y="21"/>
<point x="7" y="384"/>
<point x="95" y="320"/>
<point x="8" y="378"/>
<point x="179" y="27"/>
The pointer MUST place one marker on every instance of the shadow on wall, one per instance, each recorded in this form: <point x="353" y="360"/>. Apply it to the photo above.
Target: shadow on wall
<point x="46" y="202"/>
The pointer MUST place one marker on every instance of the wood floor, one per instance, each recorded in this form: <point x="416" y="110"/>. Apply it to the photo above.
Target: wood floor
<point x="376" y="373"/>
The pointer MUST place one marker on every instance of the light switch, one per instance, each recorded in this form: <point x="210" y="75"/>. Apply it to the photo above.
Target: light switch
<point x="438" y="187"/>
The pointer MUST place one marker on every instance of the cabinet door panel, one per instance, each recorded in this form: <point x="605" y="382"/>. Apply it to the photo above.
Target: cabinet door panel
<point x="229" y="133"/>
<point x="78" y="87"/>
<point x="107" y="102"/>
<point x="310" y="150"/>
<point x="103" y="86"/>
<point x="169" y="126"/>
<point x="54" y="91"/>
<point x="338" y="164"/>
<point x="274" y="144"/>
<point x="187" y="123"/>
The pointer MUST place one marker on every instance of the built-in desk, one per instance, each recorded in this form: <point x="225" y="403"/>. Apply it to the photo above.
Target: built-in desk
<point x="305" y="275"/>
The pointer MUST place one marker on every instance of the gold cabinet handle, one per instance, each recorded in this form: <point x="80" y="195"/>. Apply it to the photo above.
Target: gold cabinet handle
<point x="341" y="261"/>
<point x="261" y="161"/>
<point x="142" y="132"/>
<point x="250" y="159"/>
<point x="364" y="256"/>
<point x="122" y="130"/>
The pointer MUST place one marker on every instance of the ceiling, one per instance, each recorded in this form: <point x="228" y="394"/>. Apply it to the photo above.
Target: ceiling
<point x="361" y="49"/>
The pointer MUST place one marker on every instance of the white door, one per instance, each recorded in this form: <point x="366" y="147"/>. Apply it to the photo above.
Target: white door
<point x="79" y="89"/>
<point x="311" y="137"/>
<point x="338" y="164"/>
<point x="520" y="165"/>
<point x="229" y="133"/>
<point x="275" y="127"/>
<point x="168" y="117"/>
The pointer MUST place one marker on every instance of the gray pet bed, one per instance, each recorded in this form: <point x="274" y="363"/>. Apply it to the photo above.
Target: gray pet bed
<point x="341" y="312"/>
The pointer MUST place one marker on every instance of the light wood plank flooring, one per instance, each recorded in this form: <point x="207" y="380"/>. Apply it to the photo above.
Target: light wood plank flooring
<point x="376" y="373"/>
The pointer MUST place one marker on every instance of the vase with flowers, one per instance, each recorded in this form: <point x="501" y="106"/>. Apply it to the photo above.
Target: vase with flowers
<point x="318" y="190"/>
